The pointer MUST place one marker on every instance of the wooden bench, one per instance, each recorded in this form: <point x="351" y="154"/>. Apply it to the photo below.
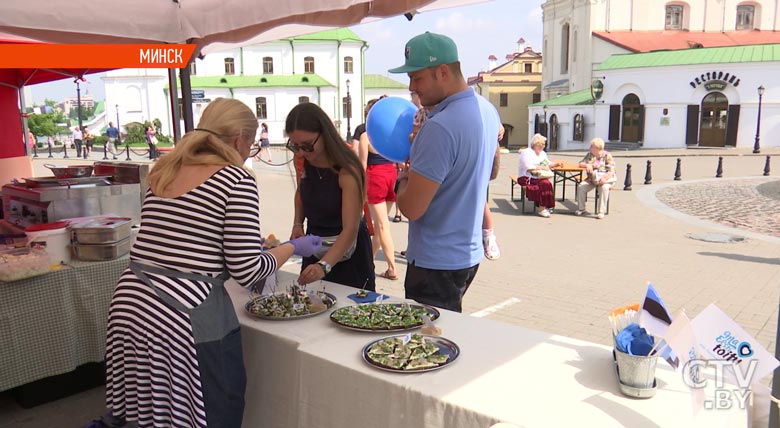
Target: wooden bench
<point x="512" y="193"/>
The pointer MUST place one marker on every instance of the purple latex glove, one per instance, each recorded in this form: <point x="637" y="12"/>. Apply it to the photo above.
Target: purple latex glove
<point x="307" y="245"/>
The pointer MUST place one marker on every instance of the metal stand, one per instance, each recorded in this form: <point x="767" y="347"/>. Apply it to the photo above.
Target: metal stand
<point x="677" y="172"/>
<point x="649" y="173"/>
<point x="719" y="171"/>
<point x="766" y="166"/>
<point x="627" y="182"/>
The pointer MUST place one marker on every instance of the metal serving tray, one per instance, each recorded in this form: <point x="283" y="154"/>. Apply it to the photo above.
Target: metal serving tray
<point x="327" y="298"/>
<point x="446" y="347"/>
<point x="101" y="252"/>
<point x="102" y="230"/>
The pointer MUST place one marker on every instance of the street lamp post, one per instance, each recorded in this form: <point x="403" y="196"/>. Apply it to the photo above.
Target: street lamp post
<point x="349" y="114"/>
<point x="756" y="145"/>
<point x="78" y="111"/>
<point x="544" y="121"/>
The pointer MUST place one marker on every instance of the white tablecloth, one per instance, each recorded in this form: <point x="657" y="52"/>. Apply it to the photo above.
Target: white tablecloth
<point x="309" y="373"/>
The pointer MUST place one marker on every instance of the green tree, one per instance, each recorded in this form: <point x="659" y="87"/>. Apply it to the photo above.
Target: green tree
<point x="46" y="124"/>
<point x="86" y="112"/>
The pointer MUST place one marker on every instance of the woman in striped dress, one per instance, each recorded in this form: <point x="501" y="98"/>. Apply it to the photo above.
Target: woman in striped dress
<point x="173" y="352"/>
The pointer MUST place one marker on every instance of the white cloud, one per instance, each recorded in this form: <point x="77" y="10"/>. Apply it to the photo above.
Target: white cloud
<point x="457" y="22"/>
<point x="534" y="17"/>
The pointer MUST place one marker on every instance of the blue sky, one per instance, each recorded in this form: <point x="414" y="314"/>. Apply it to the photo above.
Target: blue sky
<point x="480" y="30"/>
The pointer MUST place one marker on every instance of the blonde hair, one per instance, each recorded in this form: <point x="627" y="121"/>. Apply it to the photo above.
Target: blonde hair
<point x="598" y="142"/>
<point x="538" y="140"/>
<point x="223" y="120"/>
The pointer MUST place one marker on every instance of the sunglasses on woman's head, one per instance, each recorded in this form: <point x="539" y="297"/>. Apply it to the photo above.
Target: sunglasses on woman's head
<point x="308" y="148"/>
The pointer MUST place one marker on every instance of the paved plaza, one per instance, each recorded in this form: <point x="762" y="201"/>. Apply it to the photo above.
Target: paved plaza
<point x="563" y="274"/>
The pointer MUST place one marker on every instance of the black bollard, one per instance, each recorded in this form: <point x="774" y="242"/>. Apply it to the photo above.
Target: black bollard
<point x="65" y="149"/>
<point x="127" y="147"/>
<point x="766" y="166"/>
<point x="719" y="171"/>
<point x="649" y="173"/>
<point x="105" y="150"/>
<point x="677" y="173"/>
<point x="50" y="155"/>
<point x="627" y="182"/>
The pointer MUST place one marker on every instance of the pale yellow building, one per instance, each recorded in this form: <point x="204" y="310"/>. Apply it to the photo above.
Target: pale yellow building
<point x="512" y="87"/>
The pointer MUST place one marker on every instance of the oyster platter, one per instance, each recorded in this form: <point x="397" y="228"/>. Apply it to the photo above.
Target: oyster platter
<point x="295" y="303"/>
<point x="411" y="353"/>
<point x="383" y="316"/>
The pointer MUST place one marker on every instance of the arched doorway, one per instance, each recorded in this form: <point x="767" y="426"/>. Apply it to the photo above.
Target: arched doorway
<point x="714" y="119"/>
<point x="552" y="139"/>
<point x="633" y="119"/>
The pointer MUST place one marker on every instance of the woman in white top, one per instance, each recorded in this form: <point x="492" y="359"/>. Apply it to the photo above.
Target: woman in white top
<point x="533" y="173"/>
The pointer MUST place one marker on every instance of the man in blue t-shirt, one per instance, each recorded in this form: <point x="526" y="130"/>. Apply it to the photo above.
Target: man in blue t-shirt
<point x="113" y="137"/>
<point x="444" y="193"/>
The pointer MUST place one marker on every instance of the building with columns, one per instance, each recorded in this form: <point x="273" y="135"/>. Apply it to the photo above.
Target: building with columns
<point x="667" y="73"/>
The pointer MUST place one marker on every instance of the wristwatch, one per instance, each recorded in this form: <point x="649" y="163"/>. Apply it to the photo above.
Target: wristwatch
<point x="326" y="267"/>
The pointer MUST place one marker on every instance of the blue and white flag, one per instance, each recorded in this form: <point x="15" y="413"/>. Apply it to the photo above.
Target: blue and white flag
<point x="655" y="318"/>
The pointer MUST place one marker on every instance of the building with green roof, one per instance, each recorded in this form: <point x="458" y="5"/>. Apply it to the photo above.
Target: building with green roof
<point x="326" y="68"/>
<point x="697" y="97"/>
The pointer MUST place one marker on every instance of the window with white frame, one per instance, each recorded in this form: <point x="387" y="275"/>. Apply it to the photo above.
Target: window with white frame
<point x="261" y="108"/>
<point x="308" y="65"/>
<point x="674" y="17"/>
<point x="268" y="65"/>
<point x="230" y="66"/>
<point x="348" y="65"/>
<point x="746" y="17"/>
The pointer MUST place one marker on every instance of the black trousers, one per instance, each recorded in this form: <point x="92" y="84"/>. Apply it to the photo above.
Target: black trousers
<point x="441" y="288"/>
<point x="77" y="143"/>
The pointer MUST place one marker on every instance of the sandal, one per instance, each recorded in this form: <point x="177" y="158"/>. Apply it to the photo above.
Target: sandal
<point x="386" y="275"/>
<point x="397" y="218"/>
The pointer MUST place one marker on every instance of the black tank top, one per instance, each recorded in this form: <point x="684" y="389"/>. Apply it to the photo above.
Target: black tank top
<point x="321" y="197"/>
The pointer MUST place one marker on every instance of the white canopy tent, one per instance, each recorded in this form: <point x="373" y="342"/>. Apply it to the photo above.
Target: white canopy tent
<point x="220" y="23"/>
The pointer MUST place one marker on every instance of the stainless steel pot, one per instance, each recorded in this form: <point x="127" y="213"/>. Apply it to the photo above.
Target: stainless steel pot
<point x="72" y="171"/>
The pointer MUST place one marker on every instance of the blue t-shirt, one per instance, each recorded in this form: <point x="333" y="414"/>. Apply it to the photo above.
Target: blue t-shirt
<point x="455" y="148"/>
<point x="112" y="132"/>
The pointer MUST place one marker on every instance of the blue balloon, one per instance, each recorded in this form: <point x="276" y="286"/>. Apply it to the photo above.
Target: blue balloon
<point x="388" y="126"/>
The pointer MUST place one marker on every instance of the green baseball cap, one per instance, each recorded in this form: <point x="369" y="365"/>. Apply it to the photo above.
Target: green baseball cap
<point x="427" y="50"/>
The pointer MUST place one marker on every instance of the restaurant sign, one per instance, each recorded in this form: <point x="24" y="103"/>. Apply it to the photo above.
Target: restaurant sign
<point x="714" y="80"/>
<point x="715" y="85"/>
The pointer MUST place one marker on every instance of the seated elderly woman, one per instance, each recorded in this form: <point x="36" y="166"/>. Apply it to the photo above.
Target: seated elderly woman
<point x="600" y="167"/>
<point x="534" y="173"/>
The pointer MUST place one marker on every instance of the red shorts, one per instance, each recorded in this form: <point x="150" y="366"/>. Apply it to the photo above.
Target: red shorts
<point x="380" y="180"/>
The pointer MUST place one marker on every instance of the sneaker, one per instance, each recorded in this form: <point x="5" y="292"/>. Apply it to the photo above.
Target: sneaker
<point x="492" y="252"/>
<point x="544" y="213"/>
<point x="599" y="216"/>
<point x="579" y="212"/>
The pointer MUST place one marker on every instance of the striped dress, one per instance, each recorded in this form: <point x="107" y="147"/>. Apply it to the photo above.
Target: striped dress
<point x="152" y="367"/>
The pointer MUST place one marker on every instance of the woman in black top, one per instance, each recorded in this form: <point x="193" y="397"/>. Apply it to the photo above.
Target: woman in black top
<point x="330" y="199"/>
